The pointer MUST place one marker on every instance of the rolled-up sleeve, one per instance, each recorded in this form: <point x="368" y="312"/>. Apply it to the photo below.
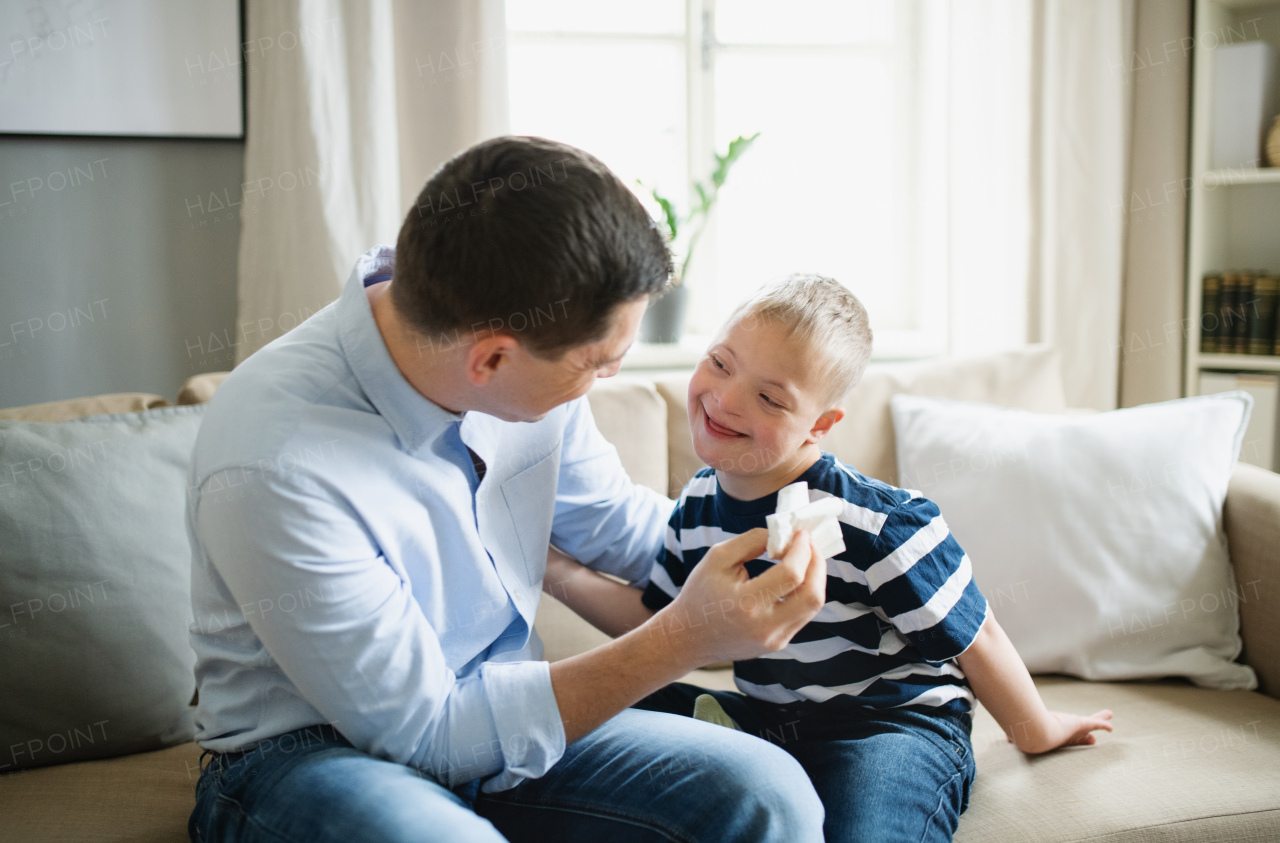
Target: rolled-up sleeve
<point x="357" y="645"/>
<point x="602" y="519"/>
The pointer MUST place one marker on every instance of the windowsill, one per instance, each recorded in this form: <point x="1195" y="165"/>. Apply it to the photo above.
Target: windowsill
<point x="685" y="354"/>
<point x="646" y="357"/>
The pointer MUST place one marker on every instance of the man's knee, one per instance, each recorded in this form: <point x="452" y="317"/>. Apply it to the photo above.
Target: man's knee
<point x="774" y="798"/>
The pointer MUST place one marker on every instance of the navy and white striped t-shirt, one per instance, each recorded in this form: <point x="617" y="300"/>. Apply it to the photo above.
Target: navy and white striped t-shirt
<point x="901" y="601"/>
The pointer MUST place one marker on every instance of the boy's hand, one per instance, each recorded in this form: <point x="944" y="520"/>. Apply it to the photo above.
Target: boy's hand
<point x="1058" y="730"/>
<point x="1001" y="682"/>
<point x="723" y="614"/>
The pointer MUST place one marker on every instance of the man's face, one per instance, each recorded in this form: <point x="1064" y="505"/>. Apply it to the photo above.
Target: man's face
<point x="533" y="386"/>
<point x="753" y="399"/>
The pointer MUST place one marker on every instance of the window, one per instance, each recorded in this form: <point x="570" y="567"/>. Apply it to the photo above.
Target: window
<point x="834" y="185"/>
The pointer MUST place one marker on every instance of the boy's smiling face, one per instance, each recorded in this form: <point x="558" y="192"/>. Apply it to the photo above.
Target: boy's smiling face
<point x="756" y="407"/>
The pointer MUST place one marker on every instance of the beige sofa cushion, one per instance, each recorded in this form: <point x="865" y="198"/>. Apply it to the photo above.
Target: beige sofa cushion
<point x="145" y="798"/>
<point x="74" y="408"/>
<point x="563" y="633"/>
<point x="682" y="462"/>
<point x="199" y="389"/>
<point x="1184" y="764"/>
<point x="632" y="416"/>
<point x="1026" y="378"/>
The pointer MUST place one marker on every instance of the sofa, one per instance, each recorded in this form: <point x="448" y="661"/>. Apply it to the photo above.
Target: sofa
<point x="1184" y="764"/>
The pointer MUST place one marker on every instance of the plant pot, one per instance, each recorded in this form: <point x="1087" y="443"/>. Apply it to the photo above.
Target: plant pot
<point x="1273" y="144"/>
<point x="663" y="321"/>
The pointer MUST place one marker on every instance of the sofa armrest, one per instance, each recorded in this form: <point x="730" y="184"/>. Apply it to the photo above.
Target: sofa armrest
<point x="1252" y="519"/>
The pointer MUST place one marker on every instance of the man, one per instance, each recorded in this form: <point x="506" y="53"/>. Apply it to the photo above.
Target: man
<point x="371" y="502"/>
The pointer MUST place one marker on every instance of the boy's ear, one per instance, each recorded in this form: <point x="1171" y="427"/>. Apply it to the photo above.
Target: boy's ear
<point x="825" y="422"/>
<point x="486" y="356"/>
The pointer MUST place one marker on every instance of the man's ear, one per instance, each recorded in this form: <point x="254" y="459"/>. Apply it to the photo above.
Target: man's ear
<point x="824" y="423"/>
<point x="486" y="356"/>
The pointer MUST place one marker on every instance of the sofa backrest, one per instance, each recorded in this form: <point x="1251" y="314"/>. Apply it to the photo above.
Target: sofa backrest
<point x="647" y="420"/>
<point x="200" y="389"/>
<point x="633" y="417"/>
<point x="94" y="405"/>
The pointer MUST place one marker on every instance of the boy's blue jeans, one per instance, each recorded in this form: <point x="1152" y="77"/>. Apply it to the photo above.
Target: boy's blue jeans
<point x="882" y="775"/>
<point x="642" y="777"/>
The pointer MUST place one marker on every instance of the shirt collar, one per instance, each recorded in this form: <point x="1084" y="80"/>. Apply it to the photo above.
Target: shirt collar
<point x="415" y="419"/>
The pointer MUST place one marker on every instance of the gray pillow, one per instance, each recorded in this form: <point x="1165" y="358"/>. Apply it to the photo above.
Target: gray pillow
<point x="95" y="580"/>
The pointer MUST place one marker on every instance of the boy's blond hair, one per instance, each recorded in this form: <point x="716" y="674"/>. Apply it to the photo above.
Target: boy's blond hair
<point x="824" y="314"/>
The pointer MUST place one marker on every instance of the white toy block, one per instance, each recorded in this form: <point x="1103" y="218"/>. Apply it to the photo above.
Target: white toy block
<point x="795" y="512"/>
<point x="828" y="538"/>
<point x="779" y="534"/>
<point x="793" y="497"/>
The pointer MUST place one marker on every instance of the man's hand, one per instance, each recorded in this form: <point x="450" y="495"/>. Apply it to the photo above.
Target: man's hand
<point x="722" y="614"/>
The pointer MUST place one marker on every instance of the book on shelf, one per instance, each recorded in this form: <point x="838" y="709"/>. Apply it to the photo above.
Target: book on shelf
<point x="1240" y="313"/>
<point x="1210" y="324"/>
<point x="1244" y="312"/>
<point x="1259" y="445"/>
<point x="1232" y="313"/>
<point x="1262" y="330"/>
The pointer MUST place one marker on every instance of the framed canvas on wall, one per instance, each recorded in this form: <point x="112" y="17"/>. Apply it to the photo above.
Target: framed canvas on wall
<point x="151" y="68"/>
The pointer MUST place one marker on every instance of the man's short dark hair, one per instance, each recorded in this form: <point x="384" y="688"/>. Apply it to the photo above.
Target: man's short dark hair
<point x="525" y="236"/>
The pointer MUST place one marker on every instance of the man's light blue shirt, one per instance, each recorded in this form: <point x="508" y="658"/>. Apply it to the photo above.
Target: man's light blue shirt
<point x="349" y="566"/>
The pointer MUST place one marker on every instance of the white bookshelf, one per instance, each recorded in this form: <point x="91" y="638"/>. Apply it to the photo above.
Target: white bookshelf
<point x="1227" y="178"/>
<point x="1234" y="213"/>
<point x="1237" y="362"/>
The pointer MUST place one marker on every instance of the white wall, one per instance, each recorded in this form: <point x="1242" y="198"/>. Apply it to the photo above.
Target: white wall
<point x="116" y="267"/>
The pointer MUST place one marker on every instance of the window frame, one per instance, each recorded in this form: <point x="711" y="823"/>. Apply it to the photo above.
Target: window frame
<point x="928" y="293"/>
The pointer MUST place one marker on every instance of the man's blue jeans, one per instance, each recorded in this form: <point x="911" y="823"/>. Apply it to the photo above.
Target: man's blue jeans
<point x="643" y="776"/>
<point x="886" y="775"/>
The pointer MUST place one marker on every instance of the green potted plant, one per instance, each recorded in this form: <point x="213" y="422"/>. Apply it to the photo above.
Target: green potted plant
<point x="664" y="319"/>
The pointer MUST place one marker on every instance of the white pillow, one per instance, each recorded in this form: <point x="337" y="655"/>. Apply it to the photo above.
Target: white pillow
<point x="1096" y="539"/>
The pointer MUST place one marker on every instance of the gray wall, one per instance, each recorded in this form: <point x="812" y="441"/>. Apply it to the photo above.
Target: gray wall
<point x="116" y="265"/>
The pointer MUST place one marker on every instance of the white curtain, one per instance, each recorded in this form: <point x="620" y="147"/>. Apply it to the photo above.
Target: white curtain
<point x="451" y="84"/>
<point x="1082" y="182"/>
<point x="978" y="60"/>
<point x="1024" y="129"/>
<point x="1156" y="203"/>
<point x="1031" y="114"/>
<point x="351" y="105"/>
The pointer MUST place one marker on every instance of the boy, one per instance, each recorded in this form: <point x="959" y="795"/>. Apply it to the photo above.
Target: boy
<point x="874" y="696"/>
